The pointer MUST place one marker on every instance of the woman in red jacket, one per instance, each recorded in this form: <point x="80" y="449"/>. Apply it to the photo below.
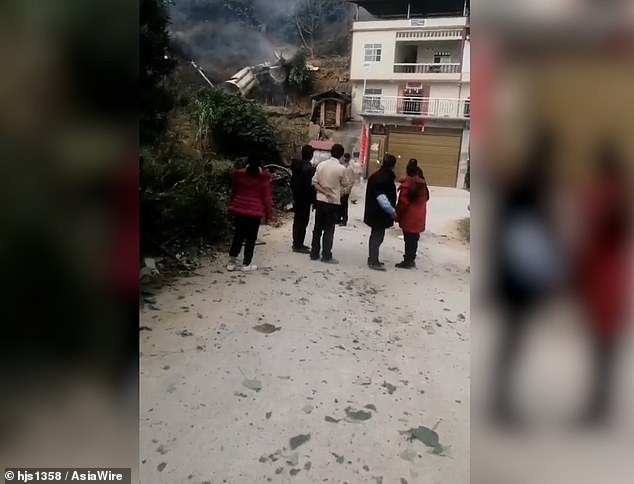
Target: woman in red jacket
<point x="412" y="211"/>
<point x="251" y="200"/>
<point x="604" y="276"/>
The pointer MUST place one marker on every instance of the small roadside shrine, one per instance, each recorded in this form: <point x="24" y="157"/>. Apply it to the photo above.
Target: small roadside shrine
<point x="331" y="109"/>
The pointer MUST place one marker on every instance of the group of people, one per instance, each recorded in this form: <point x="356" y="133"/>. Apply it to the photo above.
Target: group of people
<point x="383" y="207"/>
<point x="554" y="236"/>
<point x="325" y="189"/>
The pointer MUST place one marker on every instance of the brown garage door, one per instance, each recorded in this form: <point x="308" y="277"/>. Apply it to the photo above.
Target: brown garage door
<point x="437" y="154"/>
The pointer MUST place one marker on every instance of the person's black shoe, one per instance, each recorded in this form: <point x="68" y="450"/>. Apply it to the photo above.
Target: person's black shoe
<point x="329" y="261"/>
<point x="302" y="250"/>
<point x="314" y="257"/>
<point x="342" y="224"/>
<point x="405" y="265"/>
<point x="376" y="267"/>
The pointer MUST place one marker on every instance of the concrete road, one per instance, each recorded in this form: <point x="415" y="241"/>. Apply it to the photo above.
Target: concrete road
<point x="359" y="358"/>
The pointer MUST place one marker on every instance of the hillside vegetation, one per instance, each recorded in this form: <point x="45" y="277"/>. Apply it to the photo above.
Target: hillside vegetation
<point x="191" y="134"/>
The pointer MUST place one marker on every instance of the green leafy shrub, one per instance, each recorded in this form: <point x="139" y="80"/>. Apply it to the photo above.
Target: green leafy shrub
<point x="237" y="126"/>
<point x="184" y="199"/>
<point x="298" y="76"/>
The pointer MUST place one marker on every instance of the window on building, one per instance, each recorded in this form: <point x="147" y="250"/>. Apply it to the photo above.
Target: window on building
<point x="372" y="53"/>
<point x="442" y="58"/>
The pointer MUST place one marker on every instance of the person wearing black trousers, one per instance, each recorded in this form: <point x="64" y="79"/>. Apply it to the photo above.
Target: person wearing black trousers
<point x="303" y="197"/>
<point x="251" y="200"/>
<point x="329" y="180"/>
<point x="380" y="200"/>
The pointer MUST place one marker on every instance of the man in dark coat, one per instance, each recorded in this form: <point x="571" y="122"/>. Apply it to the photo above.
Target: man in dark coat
<point x="303" y="197"/>
<point x="380" y="200"/>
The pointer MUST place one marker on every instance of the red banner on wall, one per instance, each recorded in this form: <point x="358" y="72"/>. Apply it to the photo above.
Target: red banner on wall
<point x="363" y="145"/>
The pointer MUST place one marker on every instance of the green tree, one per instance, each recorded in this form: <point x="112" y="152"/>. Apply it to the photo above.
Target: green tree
<point x="298" y="76"/>
<point x="156" y="64"/>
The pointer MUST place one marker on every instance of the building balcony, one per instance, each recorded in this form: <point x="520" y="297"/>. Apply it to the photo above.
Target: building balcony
<point x="426" y="68"/>
<point x="426" y="35"/>
<point x="421" y="107"/>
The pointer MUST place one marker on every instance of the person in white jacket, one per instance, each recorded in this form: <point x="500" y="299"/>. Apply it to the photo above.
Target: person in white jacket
<point x="329" y="181"/>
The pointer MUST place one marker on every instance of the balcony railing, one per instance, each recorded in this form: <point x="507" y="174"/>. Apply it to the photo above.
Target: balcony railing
<point x="416" y="106"/>
<point x="404" y="68"/>
<point x="448" y="34"/>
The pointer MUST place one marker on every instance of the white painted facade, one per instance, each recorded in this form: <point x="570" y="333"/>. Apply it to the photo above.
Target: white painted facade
<point x="432" y="56"/>
<point x="442" y="34"/>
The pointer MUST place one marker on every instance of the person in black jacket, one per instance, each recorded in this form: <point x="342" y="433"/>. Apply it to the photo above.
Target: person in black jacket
<point x="380" y="200"/>
<point x="303" y="197"/>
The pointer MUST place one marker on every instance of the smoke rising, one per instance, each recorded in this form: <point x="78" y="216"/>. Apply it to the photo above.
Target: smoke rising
<point x="220" y="46"/>
<point x="224" y="35"/>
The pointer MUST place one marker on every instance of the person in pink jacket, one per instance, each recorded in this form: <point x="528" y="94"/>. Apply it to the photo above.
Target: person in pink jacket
<point x="251" y="201"/>
<point x="411" y="211"/>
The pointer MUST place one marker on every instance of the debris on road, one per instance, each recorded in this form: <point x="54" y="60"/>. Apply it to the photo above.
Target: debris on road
<point x="365" y="381"/>
<point x="251" y="384"/>
<point x="293" y="459"/>
<point x="255" y="385"/>
<point x="357" y="415"/>
<point x="267" y="328"/>
<point x="376" y="335"/>
<point x="389" y="387"/>
<point x="339" y="458"/>
<point x="299" y="440"/>
<point x="429" y="437"/>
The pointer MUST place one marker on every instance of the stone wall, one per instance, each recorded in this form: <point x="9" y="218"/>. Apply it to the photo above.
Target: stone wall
<point x="292" y="130"/>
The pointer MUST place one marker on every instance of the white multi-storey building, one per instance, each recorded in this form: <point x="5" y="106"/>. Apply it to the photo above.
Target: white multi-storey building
<point x="410" y="74"/>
